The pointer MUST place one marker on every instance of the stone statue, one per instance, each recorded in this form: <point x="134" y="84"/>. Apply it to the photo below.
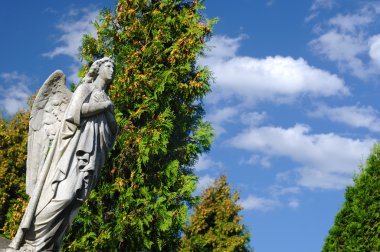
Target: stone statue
<point x="70" y="135"/>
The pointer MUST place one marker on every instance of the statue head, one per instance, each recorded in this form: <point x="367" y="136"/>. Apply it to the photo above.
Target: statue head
<point x="103" y="68"/>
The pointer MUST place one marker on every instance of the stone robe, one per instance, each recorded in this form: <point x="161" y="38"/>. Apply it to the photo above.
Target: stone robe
<point x="79" y="151"/>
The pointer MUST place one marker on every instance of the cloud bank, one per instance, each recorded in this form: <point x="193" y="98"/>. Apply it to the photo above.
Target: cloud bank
<point x="326" y="161"/>
<point x="276" y="78"/>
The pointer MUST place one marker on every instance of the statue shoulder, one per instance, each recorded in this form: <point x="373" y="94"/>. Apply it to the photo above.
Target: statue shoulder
<point x="74" y="110"/>
<point x="83" y="90"/>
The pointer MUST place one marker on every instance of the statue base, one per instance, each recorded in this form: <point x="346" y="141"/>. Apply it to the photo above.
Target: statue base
<point x="4" y="243"/>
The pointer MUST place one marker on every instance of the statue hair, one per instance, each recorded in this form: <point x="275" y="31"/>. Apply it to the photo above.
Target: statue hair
<point x="90" y="77"/>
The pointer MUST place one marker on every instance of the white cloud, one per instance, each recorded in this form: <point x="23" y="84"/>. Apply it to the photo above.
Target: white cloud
<point x="284" y="176"/>
<point x="337" y="46"/>
<point x="253" y="118"/>
<point x="351" y="23"/>
<point x="223" y="47"/>
<point x="75" y="24"/>
<point x="14" y="91"/>
<point x="346" y="39"/>
<point x="322" y="4"/>
<point x="281" y="190"/>
<point x="355" y="116"/>
<point x="72" y="28"/>
<point x="317" y="6"/>
<point x="258" y="203"/>
<point x="73" y="77"/>
<point x="223" y="114"/>
<point x="279" y="197"/>
<point x="343" y="49"/>
<point x="374" y="49"/>
<point x="325" y="160"/>
<point x="204" y="182"/>
<point x="220" y="116"/>
<point x="320" y="178"/>
<point x="205" y="162"/>
<point x="263" y="161"/>
<point x="276" y="78"/>
<point x="293" y="203"/>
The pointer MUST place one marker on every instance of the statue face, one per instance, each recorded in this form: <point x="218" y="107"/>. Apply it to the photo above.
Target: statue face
<point x="106" y="71"/>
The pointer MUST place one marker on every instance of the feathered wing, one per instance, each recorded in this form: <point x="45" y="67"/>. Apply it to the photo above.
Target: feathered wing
<point x="45" y="119"/>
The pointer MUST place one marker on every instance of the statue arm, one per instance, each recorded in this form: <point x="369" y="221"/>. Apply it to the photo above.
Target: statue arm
<point x="94" y="108"/>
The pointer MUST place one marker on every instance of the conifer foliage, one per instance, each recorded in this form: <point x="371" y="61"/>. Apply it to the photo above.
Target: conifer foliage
<point x="357" y="225"/>
<point x="215" y="224"/>
<point x="141" y="200"/>
<point x="142" y="197"/>
<point x="13" y="199"/>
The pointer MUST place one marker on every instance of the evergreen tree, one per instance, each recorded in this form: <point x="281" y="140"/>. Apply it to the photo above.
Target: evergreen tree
<point x="215" y="224"/>
<point x="357" y="225"/>
<point x="13" y="199"/>
<point x="142" y="197"/>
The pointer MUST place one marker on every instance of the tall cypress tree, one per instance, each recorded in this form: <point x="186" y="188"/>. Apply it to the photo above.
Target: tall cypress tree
<point x="215" y="224"/>
<point x="142" y="197"/>
<point x="357" y="225"/>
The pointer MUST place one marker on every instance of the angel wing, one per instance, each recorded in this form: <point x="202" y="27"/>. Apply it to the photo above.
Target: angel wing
<point x="47" y="112"/>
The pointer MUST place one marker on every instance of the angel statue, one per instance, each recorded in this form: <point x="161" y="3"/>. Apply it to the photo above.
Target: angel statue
<point x="70" y="135"/>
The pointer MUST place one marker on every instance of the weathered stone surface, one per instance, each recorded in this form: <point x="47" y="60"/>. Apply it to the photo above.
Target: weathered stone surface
<point x="70" y="135"/>
<point x="4" y="244"/>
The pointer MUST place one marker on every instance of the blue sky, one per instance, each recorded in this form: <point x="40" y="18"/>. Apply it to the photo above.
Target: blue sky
<point x="294" y="103"/>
